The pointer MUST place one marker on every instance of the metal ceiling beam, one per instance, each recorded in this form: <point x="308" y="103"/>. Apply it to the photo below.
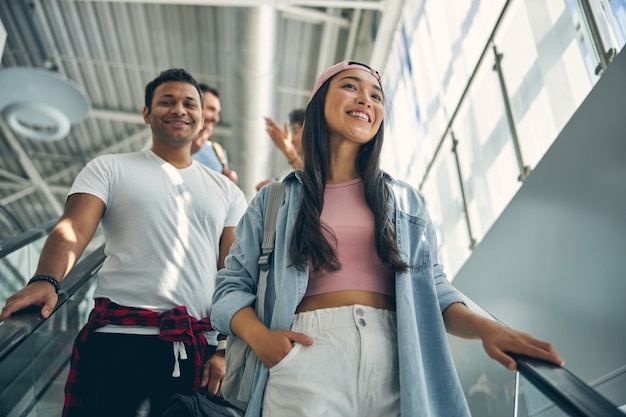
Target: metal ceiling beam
<point x="35" y="178"/>
<point x="225" y="3"/>
<point x="144" y="135"/>
<point x="10" y="186"/>
<point x="19" y="194"/>
<point x="117" y="116"/>
<point x="352" y="35"/>
<point x="11" y="176"/>
<point x="385" y="33"/>
<point x="312" y="16"/>
<point x="289" y="9"/>
<point x="345" y="4"/>
<point x="328" y="51"/>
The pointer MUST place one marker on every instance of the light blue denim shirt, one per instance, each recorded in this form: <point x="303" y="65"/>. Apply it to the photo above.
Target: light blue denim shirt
<point x="207" y="156"/>
<point x="428" y="381"/>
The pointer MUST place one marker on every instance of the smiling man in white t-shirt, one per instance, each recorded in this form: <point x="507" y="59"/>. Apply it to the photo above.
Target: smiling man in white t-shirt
<point x="169" y="223"/>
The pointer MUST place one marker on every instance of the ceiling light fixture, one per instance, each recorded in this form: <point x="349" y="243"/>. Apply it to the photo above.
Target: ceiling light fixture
<point x="41" y="104"/>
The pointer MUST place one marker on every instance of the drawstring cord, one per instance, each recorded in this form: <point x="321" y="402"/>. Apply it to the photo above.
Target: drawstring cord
<point x="179" y="353"/>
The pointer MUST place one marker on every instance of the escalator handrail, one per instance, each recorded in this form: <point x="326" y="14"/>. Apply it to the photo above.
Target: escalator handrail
<point x="17" y="328"/>
<point x="562" y="387"/>
<point x="18" y="242"/>
<point x="565" y="389"/>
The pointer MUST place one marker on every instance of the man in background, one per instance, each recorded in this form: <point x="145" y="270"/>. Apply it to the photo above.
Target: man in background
<point x="205" y="151"/>
<point x="288" y="140"/>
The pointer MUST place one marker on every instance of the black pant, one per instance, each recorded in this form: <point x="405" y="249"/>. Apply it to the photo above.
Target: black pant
<point x="121" y="375"/>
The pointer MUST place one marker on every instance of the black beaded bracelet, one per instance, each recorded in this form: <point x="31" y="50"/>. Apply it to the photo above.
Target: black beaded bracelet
<point x="47" y="278"/>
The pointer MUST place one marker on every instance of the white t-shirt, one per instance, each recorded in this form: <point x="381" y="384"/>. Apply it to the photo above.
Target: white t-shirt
<point x="162" y="228"/>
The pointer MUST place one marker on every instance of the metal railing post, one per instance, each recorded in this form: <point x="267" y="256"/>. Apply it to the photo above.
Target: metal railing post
<point x="605" y="57"/>
<point x="455" y="142"/>
<point x="524" y="169"/>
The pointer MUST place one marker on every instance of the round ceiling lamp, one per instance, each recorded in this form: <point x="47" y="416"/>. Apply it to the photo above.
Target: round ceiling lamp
<point x="41" y="104"/>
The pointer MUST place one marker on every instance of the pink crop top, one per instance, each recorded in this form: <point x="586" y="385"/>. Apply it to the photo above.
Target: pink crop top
<point x="347" y="214"/>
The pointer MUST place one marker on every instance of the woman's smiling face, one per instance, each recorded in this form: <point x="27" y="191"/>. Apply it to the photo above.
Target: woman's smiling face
<point x="353" y="107"/>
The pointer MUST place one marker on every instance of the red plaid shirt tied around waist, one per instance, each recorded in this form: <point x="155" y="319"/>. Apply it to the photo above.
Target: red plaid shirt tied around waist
<point x="175" y="325"/>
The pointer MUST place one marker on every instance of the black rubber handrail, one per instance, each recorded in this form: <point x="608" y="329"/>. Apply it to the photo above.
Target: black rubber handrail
<point x="562" y="387"/>
<point x="18" y="242"/>
<point x="565" y="389"/>
<point x="18" y="328"/>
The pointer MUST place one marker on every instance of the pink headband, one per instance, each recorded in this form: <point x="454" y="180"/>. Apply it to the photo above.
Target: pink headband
<point x="342" y="66"/>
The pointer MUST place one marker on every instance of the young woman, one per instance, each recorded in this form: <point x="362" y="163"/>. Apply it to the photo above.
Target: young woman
<point x="357" y="305"/>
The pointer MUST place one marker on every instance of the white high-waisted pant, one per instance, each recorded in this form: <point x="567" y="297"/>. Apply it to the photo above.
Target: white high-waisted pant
<point x="350" y="370"/>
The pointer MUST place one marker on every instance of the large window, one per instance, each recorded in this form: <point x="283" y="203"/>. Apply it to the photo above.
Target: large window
<point x="477" y="93"/>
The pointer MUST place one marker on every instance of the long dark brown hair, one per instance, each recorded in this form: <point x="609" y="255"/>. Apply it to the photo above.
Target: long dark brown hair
<point x="308" y="242"/>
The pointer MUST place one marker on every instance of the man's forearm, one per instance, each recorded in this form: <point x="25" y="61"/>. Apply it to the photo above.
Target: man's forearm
<point x="61" y="251"/>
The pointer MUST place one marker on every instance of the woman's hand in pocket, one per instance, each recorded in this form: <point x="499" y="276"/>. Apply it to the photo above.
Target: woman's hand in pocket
<point x="274" y="345"/>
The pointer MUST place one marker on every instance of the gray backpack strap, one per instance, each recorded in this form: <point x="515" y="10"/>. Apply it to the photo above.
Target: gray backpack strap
<point x="275" y="198"/>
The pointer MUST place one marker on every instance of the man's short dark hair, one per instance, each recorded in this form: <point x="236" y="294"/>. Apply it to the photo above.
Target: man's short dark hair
<point x="296" y="116"/>
<point x="172" y="74"/>
<point x="205" y="88"/>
